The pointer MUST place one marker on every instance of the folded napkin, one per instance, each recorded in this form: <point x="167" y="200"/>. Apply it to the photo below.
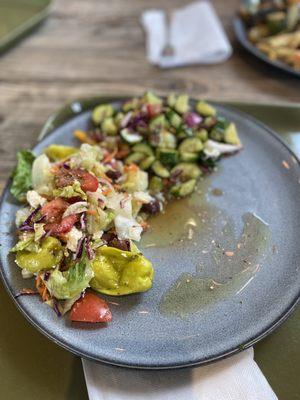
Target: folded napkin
<point x="194" y="32"/>
<point x="235" y="378"/>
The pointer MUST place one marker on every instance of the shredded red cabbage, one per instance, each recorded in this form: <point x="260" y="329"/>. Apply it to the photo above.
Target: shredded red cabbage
<point x="29" y="219"/>
<point x="79" y="249"/>
<point x="192" y="119"/>
<point x="89" y="251"/>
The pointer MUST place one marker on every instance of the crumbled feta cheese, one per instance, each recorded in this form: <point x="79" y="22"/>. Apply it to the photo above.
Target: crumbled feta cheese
<point x="128" y="228"/>
<point x="73" y="236"/>
<point x="215" y="149"/>
<point x="26" y="274"/>
<point x="34" y="199"/>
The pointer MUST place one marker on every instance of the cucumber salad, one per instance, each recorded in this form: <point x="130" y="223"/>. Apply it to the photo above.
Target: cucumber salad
<point x="85" y="208"/>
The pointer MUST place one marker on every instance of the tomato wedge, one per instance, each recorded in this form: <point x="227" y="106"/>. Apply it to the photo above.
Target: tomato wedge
<point x="153" y="109"/>
<point x="90" y="308"/>
<point x="88" y="182"/>
<point x="54" y="210"/>
<point x="65" y="177"/>
<point x="64" y="226"/>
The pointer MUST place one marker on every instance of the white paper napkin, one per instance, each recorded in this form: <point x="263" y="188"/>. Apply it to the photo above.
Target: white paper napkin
<point x="235" y="378"/>
<point x="195" y="34"/>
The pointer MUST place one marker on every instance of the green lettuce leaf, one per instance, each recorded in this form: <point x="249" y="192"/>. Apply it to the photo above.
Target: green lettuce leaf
<point x="22" y="244"/>
<point x="70" y="191"/>
<point x="22" y="181"/>
<point x="68" y="284"/>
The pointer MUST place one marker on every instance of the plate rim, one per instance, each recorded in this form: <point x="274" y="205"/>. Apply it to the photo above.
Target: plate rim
<point x="168" y="366"/>
<point x="239" y="30"/>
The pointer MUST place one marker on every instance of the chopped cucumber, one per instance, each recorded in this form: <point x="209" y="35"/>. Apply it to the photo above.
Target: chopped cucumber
<point x="184" y="132"/>
<point x="216" y="134"/>
<point x="205" y="109"/>
<point x="188" y="170"/>
<point x="292" y="16"/>
<point x="276" y="22"/>
<point x="182" y="104"/>
<point x="109" y="127"/>
<point x="157" y="122"/>
<point x="171" y="100"/>
<point x="167" y="140"/>
<point x="231" y="135"/>
<point x="143" y="148"/>
<point x="184" y="189"/>
<point x="147" y="162"/>
<point x="101" y="112"/>
<point x="175" y="119"/>
<point x="130" y="105"/>
<point x="150" y="98"/>
<point x="160" y="170"/>
<point x="119" y="118"/>
<point x="209" y="122"/>
<point x="202" y="134"/>
<point x="167" y="156"/>
<point x="130" y="137"/>
<point x="134" y="158"/>
<point x="189" y="157"/>
<point x="155" y="185"/>
<point x="190" y="145"/>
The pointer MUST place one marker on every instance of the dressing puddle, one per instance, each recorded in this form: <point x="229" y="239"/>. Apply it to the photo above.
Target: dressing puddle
<point x="225" y="260"/>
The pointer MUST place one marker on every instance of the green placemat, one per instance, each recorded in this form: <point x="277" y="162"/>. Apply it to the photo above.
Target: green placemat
<point x="32" y="367"/>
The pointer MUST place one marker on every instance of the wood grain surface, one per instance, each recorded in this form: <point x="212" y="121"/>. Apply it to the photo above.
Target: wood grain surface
<point x="95" y="47"/>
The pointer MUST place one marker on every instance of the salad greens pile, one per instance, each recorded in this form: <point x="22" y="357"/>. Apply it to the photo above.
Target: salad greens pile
<point x="87" y="206"/>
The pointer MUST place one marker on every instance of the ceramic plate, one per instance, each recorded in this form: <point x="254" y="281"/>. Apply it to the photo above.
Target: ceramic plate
<point x="226" y="260"/>
<point x="241" y="35"/>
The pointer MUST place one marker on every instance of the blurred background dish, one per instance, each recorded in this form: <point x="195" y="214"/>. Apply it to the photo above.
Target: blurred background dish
<point x="271" y="31"/>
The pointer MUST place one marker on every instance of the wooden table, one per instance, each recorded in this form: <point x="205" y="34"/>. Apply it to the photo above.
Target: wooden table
<point x="93" y="47"/>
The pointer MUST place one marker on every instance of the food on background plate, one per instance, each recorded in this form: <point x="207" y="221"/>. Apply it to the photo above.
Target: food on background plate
<point x="274" y="28"/>
<point x="86" y="207"/>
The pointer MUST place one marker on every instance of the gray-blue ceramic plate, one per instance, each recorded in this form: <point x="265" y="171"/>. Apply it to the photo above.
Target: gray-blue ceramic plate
<point x="241" y="34"/>
<point x="226" y="260"/>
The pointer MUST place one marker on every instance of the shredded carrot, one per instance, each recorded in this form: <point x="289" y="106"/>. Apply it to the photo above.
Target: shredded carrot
<point x="83" y="137"/>
<point x="91" y="212"/>
<point x="110" y="156"/>
<point x="117" y="187"/>
<point x="131" y="167"/>
<point x="42" y="289"/>
<point x="144" y="225"/>
<point x="105" y="191"/>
